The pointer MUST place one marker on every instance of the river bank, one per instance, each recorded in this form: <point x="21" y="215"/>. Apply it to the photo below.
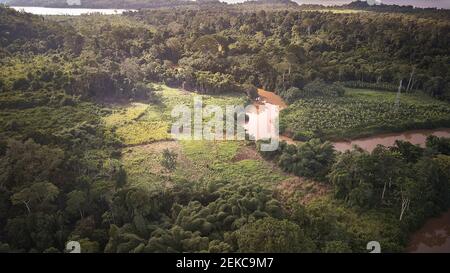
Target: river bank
<point x="416" y="137"/>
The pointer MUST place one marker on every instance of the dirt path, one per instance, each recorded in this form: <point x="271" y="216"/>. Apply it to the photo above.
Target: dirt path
<point x="272" y="98"/>
<point x="301" y="190"/>
<point x="245" y="153"/>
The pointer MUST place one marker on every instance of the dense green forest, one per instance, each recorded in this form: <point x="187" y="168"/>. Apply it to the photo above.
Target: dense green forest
<point x="278" y="50"/>
<point x="79" y="97"/>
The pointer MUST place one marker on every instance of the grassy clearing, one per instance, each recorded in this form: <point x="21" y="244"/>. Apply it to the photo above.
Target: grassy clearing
<point x="199" y="163"/>
<point x="144" y="132"/>
<point x="209" y="152"/>
<point x="202" y="162"/>
<point x="143" y="166"/>
<point x="215" y="160"/>
<point x="249" y="170"/>
<point x="140" y="123"/>
<point x="126" y="120"/>
<point x="172" y="97"/>
<point x="363" y="112"/>
<point x="121" y="116"/>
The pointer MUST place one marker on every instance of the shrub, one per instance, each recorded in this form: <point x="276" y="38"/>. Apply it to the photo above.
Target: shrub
<point x="292" y="94"/>
<point x="21" y="84"/>
<point x="169" y="160"/>
<point x="318" y="88"/>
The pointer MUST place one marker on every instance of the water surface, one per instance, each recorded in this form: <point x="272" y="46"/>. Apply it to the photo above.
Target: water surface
<point x="263" y="118"/>
<point x="68" y="11"/>
<point x="433" y="237"/>
<point x="417" y="137"/>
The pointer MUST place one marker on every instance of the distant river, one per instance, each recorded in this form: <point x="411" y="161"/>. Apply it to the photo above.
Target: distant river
<point x="68" y="11"/>
<point x="417" y="137"/>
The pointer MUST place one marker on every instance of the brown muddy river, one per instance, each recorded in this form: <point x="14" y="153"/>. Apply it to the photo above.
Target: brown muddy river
<point x="415" y="137"/>
<point x="262" y="118"/>
<point x="433" y="237"/>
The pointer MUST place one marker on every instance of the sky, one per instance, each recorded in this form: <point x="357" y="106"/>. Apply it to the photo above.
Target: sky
<point x="417" y="3"/>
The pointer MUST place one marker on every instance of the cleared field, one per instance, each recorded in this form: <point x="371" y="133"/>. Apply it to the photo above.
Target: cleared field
<point x="140" y="123"/>
<point x="201" y="161"/>
<point x="361" y="113"/>
<point x="200" y="164"/>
